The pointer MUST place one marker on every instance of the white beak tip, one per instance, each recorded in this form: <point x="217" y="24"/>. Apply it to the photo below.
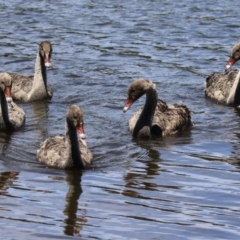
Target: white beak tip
<point x="47" y="64"/>
<point x="227" y="67"/>
<point x="82" y="135"/>
<point x="125" y="109"/>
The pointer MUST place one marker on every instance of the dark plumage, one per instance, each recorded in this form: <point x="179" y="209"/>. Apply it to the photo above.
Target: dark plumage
<point x="156" y="118"/>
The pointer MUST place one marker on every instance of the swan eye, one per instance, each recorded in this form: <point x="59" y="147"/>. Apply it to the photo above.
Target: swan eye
<point x="237" y="51"/>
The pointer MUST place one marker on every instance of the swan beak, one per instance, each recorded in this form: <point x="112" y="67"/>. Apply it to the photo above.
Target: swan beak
<point x="47" y="61"/>
<point x="7" y="92"/>
<point x="128" y="104"/>
<point x="80" y="131"/>
<point x="231" y="61"/>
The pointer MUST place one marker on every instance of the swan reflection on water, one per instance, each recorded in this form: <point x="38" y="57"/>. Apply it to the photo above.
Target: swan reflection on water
<point x="75" y="216"/>
<point x="6" y="179"/>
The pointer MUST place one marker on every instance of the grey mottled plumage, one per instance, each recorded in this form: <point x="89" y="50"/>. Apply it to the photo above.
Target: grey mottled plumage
<point x="11" y="115"/>
<point x="69" y="150"/>
<point x="27" y="88"/>
<point x="223" y="87"/>
<point x="156" y="117"/>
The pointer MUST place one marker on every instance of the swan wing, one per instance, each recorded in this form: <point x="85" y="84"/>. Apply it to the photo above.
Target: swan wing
<point x="16" y="114"/>
<point x="169" y="119"/>
<point x="21" y="85"/>
<point x="53" y="151"/>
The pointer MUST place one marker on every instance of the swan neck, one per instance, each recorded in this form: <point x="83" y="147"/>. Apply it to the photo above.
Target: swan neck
<point x="43" y="70"/>
<point x="40" y="67"/>
<point x="151" y="100"/>
<point x="146" y="116"/>
<point x="73" y="144"/>
<point x="235" y="91"/>
<point x="40" y="79"/>
<point x="4" y="108"/>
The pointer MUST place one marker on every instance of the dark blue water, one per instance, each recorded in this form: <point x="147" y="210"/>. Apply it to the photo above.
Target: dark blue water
<point x="180" y="187"/>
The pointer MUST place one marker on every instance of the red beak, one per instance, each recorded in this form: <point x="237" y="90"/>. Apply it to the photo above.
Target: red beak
<point x="231" y="61"/>
<point x="128" y="104"/>
<point x="80" y="129"/>
<point x="7" y="92"/>
<point x="47" y="60"/>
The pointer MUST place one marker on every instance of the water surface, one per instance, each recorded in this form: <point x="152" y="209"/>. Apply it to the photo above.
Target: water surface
<point x="181" y="187"/>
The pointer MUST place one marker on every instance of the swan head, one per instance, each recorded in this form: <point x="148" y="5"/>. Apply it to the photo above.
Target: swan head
<point x="6" y="85"/>
<point x="75" y="118"/>
<point x="45" y="50"/>
<point x="234" y="56"/>
<point x="135" y="90"/>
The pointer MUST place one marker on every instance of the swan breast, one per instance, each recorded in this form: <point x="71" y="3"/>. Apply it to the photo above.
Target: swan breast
<point x="16" y="114"/>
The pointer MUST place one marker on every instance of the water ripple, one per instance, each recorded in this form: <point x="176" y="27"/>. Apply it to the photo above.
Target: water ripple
<point x="182" y="187"/>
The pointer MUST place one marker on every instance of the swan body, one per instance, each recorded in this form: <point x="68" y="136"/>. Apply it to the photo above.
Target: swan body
<point x="156" y="118"/>
<point x="69" y="150"/>
<point x="12" y="116"/>
<point x="225" y="87"/>
<point x="30" y="88"/>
